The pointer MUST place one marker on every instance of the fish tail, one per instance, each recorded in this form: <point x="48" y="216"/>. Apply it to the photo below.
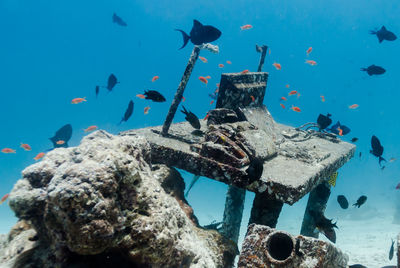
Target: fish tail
<point x="186" y="38"/>
<point x="363" y="69"/>
<point x="372" y="32"/>
<point x="184" y="110"/>
<point x="194" y="180"/>
<point x="120" y="122"/>
<point x="381" y="159"/>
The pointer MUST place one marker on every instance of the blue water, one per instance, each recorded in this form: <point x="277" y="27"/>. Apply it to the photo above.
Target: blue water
<point x="53" y="51"/>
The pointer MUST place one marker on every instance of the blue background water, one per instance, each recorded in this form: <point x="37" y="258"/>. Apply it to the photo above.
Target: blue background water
<point x="54" y="51"/>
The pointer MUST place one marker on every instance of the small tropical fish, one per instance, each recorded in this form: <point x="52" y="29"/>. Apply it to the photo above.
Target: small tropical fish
<point x="152" y="95"/>
<point x="377" y="149"/>
<point x="246" y="27"/>
<point x="205" y="117"/>
<point x="392" y="159"/>
<point x="244" y="71"/>
<point x="374" y="70"/>
<point x="340" y="131"/>
<point x="220" y="65"/>
<point x="97" y="90"/>
<point x="309" y="51"/>
<point x="8" y="151"/>
<point x="191" y="118"/>
<point x="353" y="106"/>
<point x="252" y="98"/>
<point x="78" y="100"/>
<point x="128" y="112"/>
<point x="342" y="200"/>
<point x="111" y="82"/>
<point x="203" y="80"/>
<point x="39" y="156"/>
<point x="4" y="198"/>
<point x="26" y="146"/>
<point x="283" y="98"/>
<point x="155" y="78"/>
<point x="335" y="129"/>
<point x="324" y="225"/>
<point x="211" y="102"/>
<point x="255" y="169"/>
<point x="146" y="109"/>
<point x="183" y="98"/>
<point x="60" y="142"/>
<point x="361" y="200"/>
<point x="200" y="34"/>
<point x="203" y="59"/>
<point x="391" y="251"/>
<point x="277" y="65"/>
<point x="283" y="106"/>
<point x="332" y="179"/>
<point x="324" y="121"/>
<point x="228" y="62"/>
<point x="116" y="19"/>
<point x="322" y="98"/>
<point x="296" y="109"/>
<point x="208" y="77"/>
<point x="293" y="92"/>
<point x="384" y="34"/>
<point x="287" y="86"/>
<point x="64" y="133"/>
<point x="311" y="62"/>
<point x="354" y="139"/>
<point x="398" y="186"/>
<point x="91" y="128"/>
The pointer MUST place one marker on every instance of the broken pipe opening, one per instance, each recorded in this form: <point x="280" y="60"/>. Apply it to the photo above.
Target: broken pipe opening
<point x="279" y="247"/>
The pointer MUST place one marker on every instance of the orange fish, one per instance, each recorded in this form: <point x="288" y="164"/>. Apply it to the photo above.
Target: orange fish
<point x="311" y="62"/>
<point x="141" y="96"/>
<point x="252" y="98"/>
<point x="340" y="131"/>
<point x="277" y="65"/>
<point x="293" y="92"/>
<point x="203" y="59"/>
<point x="183" y="98"/>
<point x="246" y="27"/>
<point x="4" y="198"/>
<point x="309" y="50"/>
<point x="146" y="109"/>
<point x="353" y="106"/>
<point x="78" y="100"/>
<point x="229" y="62"/>
<point x="208" y="77"/>
<point x="26" y="146"/>
<point x="283" y="98"/>
<point x="60" y="142"/>
<point x="205" y="117"/>
<point x="244" y="71"/>
<point x="38" y="156"/>
<point x="203" y="79"/>
<point x="298" y="95"/>
<point x="269" y="51"/>
<point x="296" y="109"/>
<point x="155" y="78"/>
<point x="211" y="102"/>
<point x="217" y="84"/>
<point x="8" y="151"/>
<point x="220" y="65"/>
<point x="91" y="128"/>
<point x="283" y="106"/>
<point x="287" y="86"/>
<point x="322" y="98"/>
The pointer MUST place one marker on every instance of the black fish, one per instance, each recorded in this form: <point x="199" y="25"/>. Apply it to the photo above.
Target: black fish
<point x="357" y="266"/>
<point x="384" y="34"/>
<point x="391" y="251"/>
<point x="335" y="129"/>
<point x="116" y="19"/>
<point x="154" y="96"/>
<point x="128" y="112"/>
<point x="324" y="225"/>
<point x="354" y="139"/>
<point x="97" y="90"/>
<point x="324" y="121"/>
<point x="255" y="169"/>
<point x="191" y="118"/>
<point x="63" y="134"/>
<point x="377" y="149"/>
<point x="361" y="200"/>
<point x="360" y="154"/>
<point x="342" y="200"/>
<point x="374" y="70"/>
<point x="112" y="81"/>
<point x="200" y="34"/>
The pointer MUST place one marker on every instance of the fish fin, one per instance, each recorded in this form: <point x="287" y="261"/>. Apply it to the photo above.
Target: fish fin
<point x="197" y="24"/>
<point x="184" y="110"/>
<point x="186" y="38"/>
<point x="381" y="159"/>
<point x="120" y="122"/>
<point x="192" y="183"/>
<point x="383" y="28"/>
<point x="114" y="17"/>
<point x="380" y="38"/>
<point x="372" y="32"/>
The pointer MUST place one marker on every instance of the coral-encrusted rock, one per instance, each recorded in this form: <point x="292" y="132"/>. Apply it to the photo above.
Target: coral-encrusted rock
<point x="268" y="247"/>
<point x="102" y="199"/>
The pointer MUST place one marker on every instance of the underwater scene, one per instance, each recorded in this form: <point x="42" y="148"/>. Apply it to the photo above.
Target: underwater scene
<point x="206" y="133"/>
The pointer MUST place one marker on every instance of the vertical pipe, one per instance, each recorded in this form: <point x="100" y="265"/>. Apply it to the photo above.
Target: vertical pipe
<point x="181" y="88"/>
<point x="316" y="202"/>
<point x="263" y="49"/>
<point x="265" y="210"/>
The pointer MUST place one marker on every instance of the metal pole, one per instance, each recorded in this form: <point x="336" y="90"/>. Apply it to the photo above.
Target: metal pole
<point x="181" y="88"/>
